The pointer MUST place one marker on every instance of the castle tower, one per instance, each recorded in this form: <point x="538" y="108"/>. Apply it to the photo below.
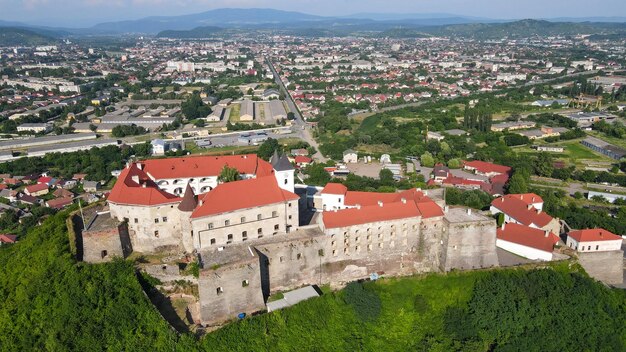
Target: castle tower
<point x="186" y="207"/>
<point x="283" y="171"/>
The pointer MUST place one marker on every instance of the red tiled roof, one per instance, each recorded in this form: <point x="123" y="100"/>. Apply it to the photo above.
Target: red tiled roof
<point x="518" y="210"/>
<point x="528" y="198"/>
<point x="243" y="194"/>
<point x="36" y="188"/>
<point x="527" y="236"/>
<point x="410" y="203"/>
<point x="335" y="188"/>
<point x="44" y="179"/>
<point x="5" y="238"/>
<point x="59" y="203"/>
<point x="302" y="159"/>
<point x="203" y="166"/>
<point x="593" y="235"/>
<point x="127" y="191"/>
<point x="485" y="167"/>
<point x="369" y="214"/>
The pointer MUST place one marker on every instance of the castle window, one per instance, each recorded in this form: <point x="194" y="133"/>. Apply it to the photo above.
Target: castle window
<point x="156" y="221"/>
<point x="345" y="251"/>
<point x="289" y="217"/>
<point x="103" y="254"/>
<point x="219" y="291"/>
<point x="369" y="247"/>
<point x="226" y="222"/>
<point x="164" y="219"/>
<point x="380" y="245"/>
<point x="212" y="241"/>
<point x="274" y="214"/>
<point x="320" y="252"/>
<point x="286" y="181"/>
<point x="156" y="233"/>
<point x="597" y="247"/>
<point x="259" y="216"/>
<point x="210" y="226"/>
<point x="136" y="221"/>
<point x="333" y="243"/>
<point x="289" y="205"/>
<point x="299" y="256"/>
<point x="356" y="239"/>
<point x="334" y="253"/>
<point x="276" y="227"/>
<point x="245" y="283"/>
<point x="259" y="231"/>
<point x="369" y="238"/>
<point x="357" y="249"/>
<point x="282" y="259"/>
<point x="243" y="219"/>
<point x="244" y="236"/>
<point x="230" y="239"/>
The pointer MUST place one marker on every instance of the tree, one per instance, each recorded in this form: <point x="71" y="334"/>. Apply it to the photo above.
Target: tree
<point x="317" y="175"/>
<point x="194" y="107"/>
<point x="454" y="163"/>
<point x="518" y="184"/>
<point x="427" y="160"/>
<point x="386" y="177"/>
<point x="543" y="165"/>
<point x="267" y="149"/>
<point x="229" y="174"/>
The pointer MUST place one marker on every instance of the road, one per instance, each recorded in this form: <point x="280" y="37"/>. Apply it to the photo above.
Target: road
<point x="302" y="129"/>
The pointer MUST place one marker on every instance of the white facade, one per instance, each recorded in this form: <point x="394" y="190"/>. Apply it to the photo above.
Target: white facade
<point x="524" y="251"/>
<point x="333" y="201"/>
<point x="285" y="180"/>
<point x="351" y="158"/>
<point x="595" y="246"/>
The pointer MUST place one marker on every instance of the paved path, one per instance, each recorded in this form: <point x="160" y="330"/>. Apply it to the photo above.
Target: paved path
<point x="302" y="129"/>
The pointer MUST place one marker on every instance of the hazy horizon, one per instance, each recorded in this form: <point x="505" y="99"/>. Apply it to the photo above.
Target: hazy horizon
<point x="77" y="13"/>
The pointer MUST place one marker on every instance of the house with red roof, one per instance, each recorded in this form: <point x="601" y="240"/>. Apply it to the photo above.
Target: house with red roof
<point x="59" y="203"/>
<point x="485" y="168"/>
<point x="7" y="239"/>
<point x="36" y="190"/>
<point x="593" y="240"/>
<point x="524" y="210"/>
<point x="527" y="242"/>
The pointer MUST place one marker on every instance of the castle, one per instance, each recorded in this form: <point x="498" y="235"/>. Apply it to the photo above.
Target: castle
<point x="251" y="242"/>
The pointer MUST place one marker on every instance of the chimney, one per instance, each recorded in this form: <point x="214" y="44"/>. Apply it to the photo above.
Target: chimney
<point x="530" y="206"/>
<point x="403" y="200"/>
<point x="380" y="203"/>
<point x="201" y="202"/>
<point x="522" y="197"/>
<point x="426" y="192"/>
<point x="358" y="206"/>
<point x="502" y="227"/>
<point x="143" y="185"/>
<point x="502" y="199"/>
<point x="245" y="156"/>
<point x="533" y="200"/>
<point x="547" y="233"/>
<point x="538" y="211"/>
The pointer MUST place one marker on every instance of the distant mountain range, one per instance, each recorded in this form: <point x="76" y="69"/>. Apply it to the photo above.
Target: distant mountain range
<point x="213" y="22"/>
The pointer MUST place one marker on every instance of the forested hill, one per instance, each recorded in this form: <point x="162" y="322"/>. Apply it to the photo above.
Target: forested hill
<point x="52" y="303"/>
<point x="516" y="29"/>
<point x="10" y="36"/>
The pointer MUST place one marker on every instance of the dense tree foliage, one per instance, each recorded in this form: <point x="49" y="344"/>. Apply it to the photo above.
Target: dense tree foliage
<point x="194" y="107"/>
<point x="120" y="131"/>
<point x="97" y="163"/>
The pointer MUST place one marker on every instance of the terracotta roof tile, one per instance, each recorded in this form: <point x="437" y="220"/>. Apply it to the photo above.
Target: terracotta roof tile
<point x="527" y="236"/>
<point x="243" y="194"/>
<point x="519" y="210"/>
<point x="593" y="235"/>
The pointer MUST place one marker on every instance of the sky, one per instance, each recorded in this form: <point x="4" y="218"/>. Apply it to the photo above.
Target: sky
<point x="79" y="13"/>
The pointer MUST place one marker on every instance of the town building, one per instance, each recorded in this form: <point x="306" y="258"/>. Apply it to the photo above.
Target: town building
<point x="603" y="147"/>
<point x="527" y="210"/>
<point x="594" y="240"/>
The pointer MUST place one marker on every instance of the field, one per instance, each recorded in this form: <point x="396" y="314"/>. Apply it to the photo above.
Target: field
<point x="574" y="152"/>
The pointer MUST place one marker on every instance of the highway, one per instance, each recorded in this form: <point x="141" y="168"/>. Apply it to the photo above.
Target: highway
<point x="302" y="129"/>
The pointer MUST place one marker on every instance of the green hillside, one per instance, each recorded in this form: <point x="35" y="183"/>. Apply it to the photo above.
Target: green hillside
<point x="517" y="29"/>
<point x="18" y="36"/>
<point x="52" y="303"/>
